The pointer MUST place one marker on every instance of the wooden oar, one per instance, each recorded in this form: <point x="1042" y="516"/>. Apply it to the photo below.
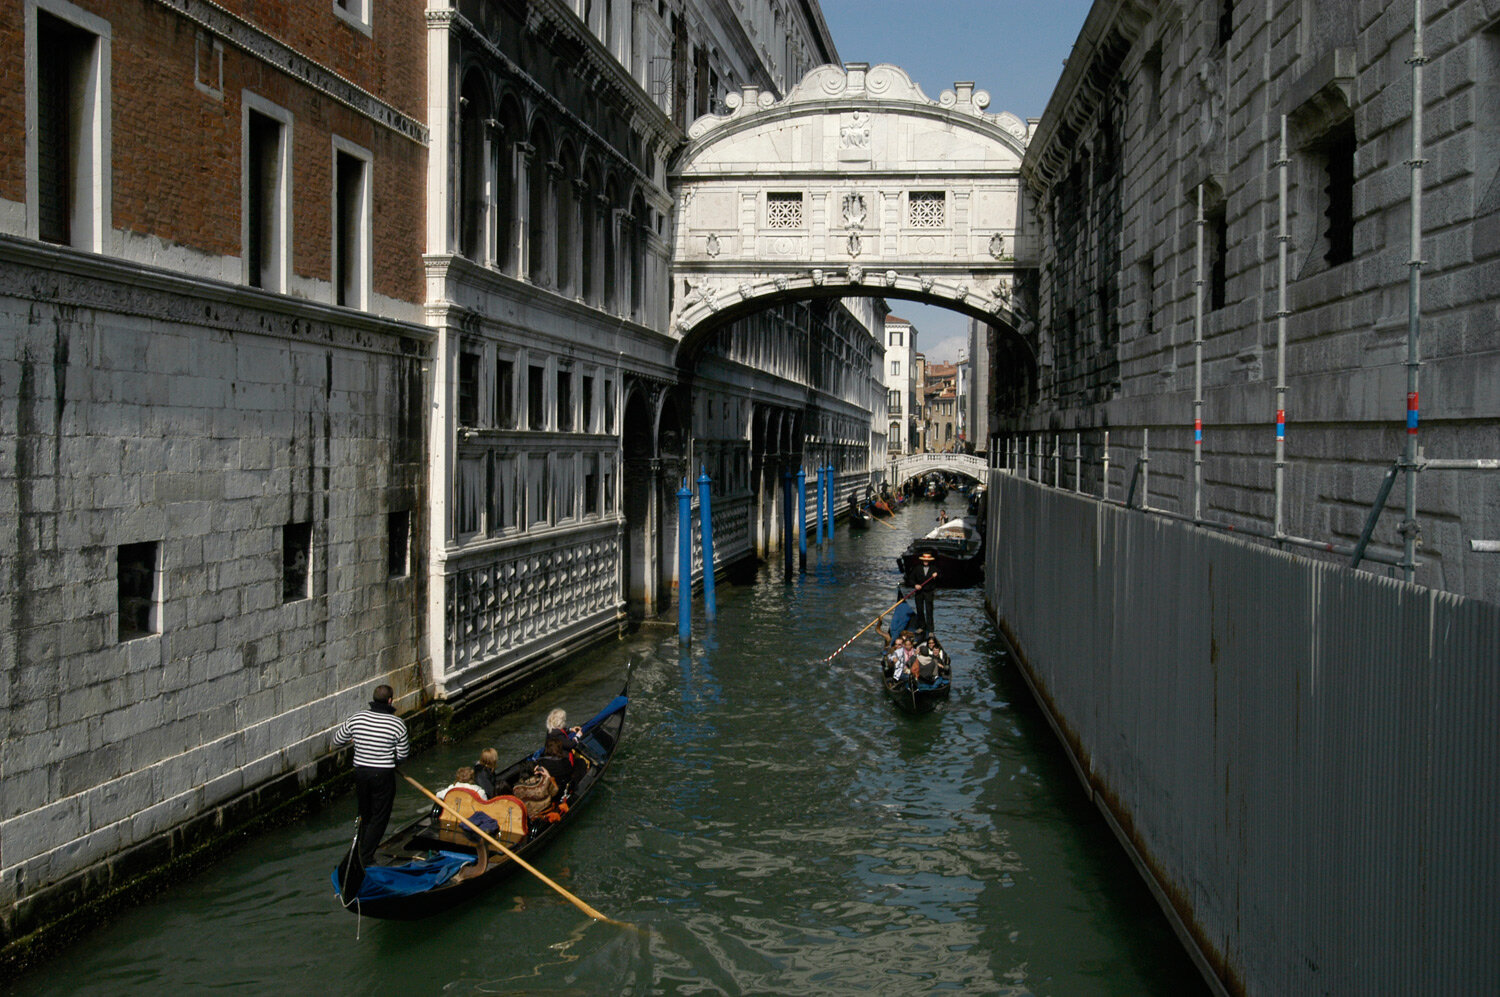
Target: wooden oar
<point x="591" y="912"/>
<point x="876" y="620"/>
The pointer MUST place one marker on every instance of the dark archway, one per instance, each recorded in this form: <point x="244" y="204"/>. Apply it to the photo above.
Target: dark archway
<point x="638" y="495"/>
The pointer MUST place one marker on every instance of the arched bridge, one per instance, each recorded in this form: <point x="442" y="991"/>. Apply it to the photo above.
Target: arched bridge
<point x="855" y="184"/>
<point x="912" y="465"/>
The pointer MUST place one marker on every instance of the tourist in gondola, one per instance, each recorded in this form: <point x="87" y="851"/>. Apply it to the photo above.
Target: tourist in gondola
<point x="487" y="774"/>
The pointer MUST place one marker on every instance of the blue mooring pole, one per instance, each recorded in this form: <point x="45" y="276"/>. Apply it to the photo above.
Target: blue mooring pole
<point x="786" y="519"/>
<point x="830" y="502"/>
<point x="820" y="506"/>
<point x="802" y="519"/>
<point x="685" y="564"/>
<point x="706" y="521"/>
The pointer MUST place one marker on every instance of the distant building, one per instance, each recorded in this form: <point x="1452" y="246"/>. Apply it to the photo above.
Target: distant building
<point x="903" y="408"/>
<point x="940" y="407"/>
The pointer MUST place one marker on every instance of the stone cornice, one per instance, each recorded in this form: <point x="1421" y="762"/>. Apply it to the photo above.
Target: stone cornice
<point x="250" y="39"/>
<point x="42" y="272"/>
<point x="645" y="115"/>
<point x="1077" y="97"/>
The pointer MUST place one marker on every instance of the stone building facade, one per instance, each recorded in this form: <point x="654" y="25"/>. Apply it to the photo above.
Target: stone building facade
<point x="339" y="354"/>
<point x="214" y="400"/>
<point x="1166" y="106"/>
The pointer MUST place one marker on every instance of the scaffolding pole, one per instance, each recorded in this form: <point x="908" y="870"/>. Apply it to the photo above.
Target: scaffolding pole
<point x="1283" y="164"/>
<point x="1197" y="368"/>
<point x="1410" y="528"/>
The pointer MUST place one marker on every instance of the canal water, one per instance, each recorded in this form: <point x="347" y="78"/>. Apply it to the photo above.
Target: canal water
<point x="770" y="825"/>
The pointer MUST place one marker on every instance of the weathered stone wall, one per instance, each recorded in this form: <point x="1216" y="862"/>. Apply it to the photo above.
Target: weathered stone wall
<point x="1179" y="104"/>
<point x="135" y="407"/>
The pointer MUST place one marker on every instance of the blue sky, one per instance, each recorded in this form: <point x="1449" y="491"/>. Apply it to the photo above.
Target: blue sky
<point x="1010" y="48"/>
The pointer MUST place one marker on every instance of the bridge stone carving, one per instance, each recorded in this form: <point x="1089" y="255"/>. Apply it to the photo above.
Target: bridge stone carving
<point x="855" y="183"/>
<point x="911" y="465"/>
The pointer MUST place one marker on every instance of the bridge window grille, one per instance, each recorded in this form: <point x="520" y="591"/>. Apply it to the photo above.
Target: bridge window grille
<point x="783" y="211"/>
<point x="926" y="209"/>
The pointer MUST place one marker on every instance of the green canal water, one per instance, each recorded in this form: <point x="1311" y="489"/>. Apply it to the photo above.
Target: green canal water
<point x="771" y="825"/>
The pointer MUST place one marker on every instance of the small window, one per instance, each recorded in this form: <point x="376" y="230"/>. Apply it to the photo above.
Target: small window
<point x="468" y="389"/>
<point x="1226" y="22"/>
<point x="350" y="227"/>
<point x="609" y="483"/>
<point x="565" y="401"/>
<point x="926" y="209"/>
<point x="355" y="12"/>
<point x="139" y="587"/>
<point x="591" y="484"/>
<point x="1337" y="154"/>
<point x="505" y="393"/>
<point x="784" y="210"/>
<point x="398" y="543"/>
<point x="538" y="484"/>
<point x="296" y="562"/>
<point x="68" y="108"/>
<point x="587" y="404"/>
<point x="567" y="490"/>
<point x="609" y="406"/>
<point x="265" y="195"/>
<point x="536" y="397"/>
<point x="1215" y="251"/>
<point x="895" y="368"/>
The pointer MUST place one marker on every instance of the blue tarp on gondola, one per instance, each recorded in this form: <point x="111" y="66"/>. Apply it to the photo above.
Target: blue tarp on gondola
<point x="383" y="881"/>
<point x="902" y="617"/>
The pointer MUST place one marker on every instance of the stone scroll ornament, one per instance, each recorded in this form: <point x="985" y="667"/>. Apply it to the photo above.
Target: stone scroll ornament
<point x="711" y="246"/>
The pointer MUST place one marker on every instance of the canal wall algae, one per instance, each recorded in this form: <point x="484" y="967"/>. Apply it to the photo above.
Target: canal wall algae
<point x="1295" y="754"/>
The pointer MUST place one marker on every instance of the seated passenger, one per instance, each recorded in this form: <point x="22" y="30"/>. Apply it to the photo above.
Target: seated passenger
<point x="942" y="665"/>
<point x="487" y="774"/>
<point x="462" y="779"/>
<point x="559" y="761"/>
<point x="557" y="721"/>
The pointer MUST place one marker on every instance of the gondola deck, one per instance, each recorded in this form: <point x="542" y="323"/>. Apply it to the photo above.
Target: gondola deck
<point x="433" y="848"/>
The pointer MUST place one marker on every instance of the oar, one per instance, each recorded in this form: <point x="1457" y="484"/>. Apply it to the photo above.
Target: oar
<point x="591" y="912"/>
<point x="876" y="620"/>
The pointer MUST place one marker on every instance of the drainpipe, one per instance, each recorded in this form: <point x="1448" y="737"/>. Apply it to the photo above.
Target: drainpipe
<point x="1104" y="478"/>
<point x="1077" y="462"/>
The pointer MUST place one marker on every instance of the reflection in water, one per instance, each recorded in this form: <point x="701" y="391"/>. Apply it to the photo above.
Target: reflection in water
<point x="772" y="825"/>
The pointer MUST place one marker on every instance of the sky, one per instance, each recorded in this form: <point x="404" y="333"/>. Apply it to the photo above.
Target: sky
<point x="1013" y="49"/>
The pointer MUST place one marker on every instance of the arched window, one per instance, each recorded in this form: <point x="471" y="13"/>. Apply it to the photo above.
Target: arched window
<point x="540" y="210"/>
<point x="639" y="218"/>
<point x="509" y="135"/>
<point x="611" y="273"/>
<point x="563" y="235"/>
<point x="588" y="273"/>
<point x="473" y="111"/>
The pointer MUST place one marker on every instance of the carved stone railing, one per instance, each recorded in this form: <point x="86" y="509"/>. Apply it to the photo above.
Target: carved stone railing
<point x="499" y="602"/>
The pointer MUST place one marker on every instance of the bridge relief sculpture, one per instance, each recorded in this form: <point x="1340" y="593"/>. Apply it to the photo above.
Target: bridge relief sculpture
<point x="855" y="183"/>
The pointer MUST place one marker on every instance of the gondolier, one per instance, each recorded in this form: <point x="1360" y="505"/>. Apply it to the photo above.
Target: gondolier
<point x="379" y="738"/>
<point x="920" y="576"/>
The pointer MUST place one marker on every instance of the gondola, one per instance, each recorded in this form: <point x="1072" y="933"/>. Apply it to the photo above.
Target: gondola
<point x="958" y="551"/>
<point x="432" y="864"/>
<point x="859" y="518"/>
<point x="918" y="698"/>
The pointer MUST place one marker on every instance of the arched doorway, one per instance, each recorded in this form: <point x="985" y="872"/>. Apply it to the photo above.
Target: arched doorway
<point x="671" y="448"/>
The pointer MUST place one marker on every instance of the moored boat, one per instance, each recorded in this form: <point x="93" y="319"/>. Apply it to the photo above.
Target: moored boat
<point x="958" y="552"/>
<point x="434" y="862"/>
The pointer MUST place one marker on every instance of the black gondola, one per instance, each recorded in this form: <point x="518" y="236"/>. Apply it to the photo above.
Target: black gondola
<point x="434" y="863"/>
<point x="957" y="550"/>
<point x="918" y="697"/>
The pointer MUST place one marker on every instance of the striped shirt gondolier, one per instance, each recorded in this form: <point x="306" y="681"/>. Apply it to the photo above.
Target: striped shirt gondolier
<point x="379" y="739"/>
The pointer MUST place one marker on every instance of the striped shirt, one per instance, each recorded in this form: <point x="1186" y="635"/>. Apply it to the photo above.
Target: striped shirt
<point x="379" y="739"/>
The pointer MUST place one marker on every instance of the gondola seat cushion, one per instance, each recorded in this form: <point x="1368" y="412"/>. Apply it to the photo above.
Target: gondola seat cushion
<point x="506" y="811"/>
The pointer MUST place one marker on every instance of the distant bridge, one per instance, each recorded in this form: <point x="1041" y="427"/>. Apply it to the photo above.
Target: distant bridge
<point x="912" y="465"/>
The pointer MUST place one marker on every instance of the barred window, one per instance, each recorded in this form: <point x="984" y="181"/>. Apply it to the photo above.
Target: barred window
<point x="784" y="210"/>
<point x="925" y="209"/>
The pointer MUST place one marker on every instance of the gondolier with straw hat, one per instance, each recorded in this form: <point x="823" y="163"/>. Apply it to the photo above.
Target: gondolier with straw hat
<point x="379" y="738"/>
<point x="922" y="572"/>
